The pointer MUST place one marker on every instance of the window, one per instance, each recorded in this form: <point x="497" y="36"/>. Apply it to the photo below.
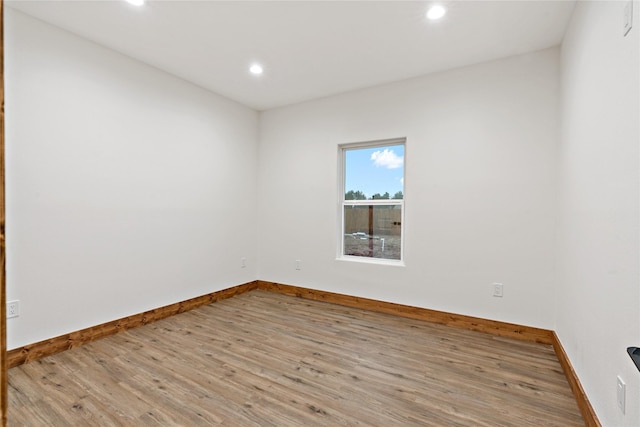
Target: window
<point x="372" y="200"/>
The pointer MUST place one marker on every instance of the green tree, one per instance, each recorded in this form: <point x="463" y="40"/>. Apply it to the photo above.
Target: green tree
<point x="398" y="195"/>
<point x="355" y="195"/>
<point x="379" y="196"/>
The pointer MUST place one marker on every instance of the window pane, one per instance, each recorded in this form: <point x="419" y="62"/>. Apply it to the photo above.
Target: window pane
<point x="373" y="231"/>
<point x="374" y="173"/>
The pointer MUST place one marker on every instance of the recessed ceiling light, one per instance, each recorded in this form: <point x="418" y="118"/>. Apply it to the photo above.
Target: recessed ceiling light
<point x="136" y="2"/>
<point x="436" y="12"/>
<point x="256" y="69"/>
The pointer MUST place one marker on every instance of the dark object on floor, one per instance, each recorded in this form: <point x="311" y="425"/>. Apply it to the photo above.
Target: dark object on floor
<point x="634" y="352"/>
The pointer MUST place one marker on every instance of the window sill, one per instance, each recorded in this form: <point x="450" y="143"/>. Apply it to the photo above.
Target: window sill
<point x="367" y="260"/>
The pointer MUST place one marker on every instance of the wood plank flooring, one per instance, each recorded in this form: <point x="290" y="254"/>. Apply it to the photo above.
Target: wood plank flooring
<point x="266" y="359"/>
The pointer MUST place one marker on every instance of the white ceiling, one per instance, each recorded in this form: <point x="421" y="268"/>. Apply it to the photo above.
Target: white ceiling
<point x="309" y="49"/>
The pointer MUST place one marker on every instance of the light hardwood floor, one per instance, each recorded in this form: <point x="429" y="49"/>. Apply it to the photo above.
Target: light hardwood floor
<point x="265" y="359"/>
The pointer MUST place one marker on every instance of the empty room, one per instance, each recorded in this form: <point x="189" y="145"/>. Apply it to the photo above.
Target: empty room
<point x="318" y="213"/>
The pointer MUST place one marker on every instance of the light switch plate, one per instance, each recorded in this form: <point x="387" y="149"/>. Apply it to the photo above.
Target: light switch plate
<point x="628" y="18"/>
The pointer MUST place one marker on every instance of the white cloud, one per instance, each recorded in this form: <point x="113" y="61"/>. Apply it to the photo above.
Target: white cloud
<point x="387" y="159"/>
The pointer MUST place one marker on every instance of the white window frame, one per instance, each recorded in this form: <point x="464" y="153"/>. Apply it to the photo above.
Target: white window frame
<point x="342" y="149"/>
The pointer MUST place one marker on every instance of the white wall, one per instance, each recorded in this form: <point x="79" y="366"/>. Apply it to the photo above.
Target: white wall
<point x="127" y="188"/>
<point x="599" y="245"/>
<point x="480" y="189"/>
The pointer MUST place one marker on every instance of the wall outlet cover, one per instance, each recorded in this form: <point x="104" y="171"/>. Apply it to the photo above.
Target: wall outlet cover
<point x="13" y="309"/>
<point x="498" y="290"/>
<point x="621" y="391"/>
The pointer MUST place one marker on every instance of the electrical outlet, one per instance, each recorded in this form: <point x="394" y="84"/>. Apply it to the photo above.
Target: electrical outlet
<point x="13" y="309"/>
<point x="497" y="290"/>
<point x="298" y="265"/>
<point x="621" y="391"/>
<point x="243" y="262"/>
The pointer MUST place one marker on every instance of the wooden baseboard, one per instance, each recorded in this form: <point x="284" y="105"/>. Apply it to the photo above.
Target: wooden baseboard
<point x="55" y="345"/>
<point x="589" y="415"/>
<point x="503" y="329"/>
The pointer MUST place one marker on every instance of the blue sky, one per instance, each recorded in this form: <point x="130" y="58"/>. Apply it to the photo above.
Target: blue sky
<point x="375" y="170"/>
